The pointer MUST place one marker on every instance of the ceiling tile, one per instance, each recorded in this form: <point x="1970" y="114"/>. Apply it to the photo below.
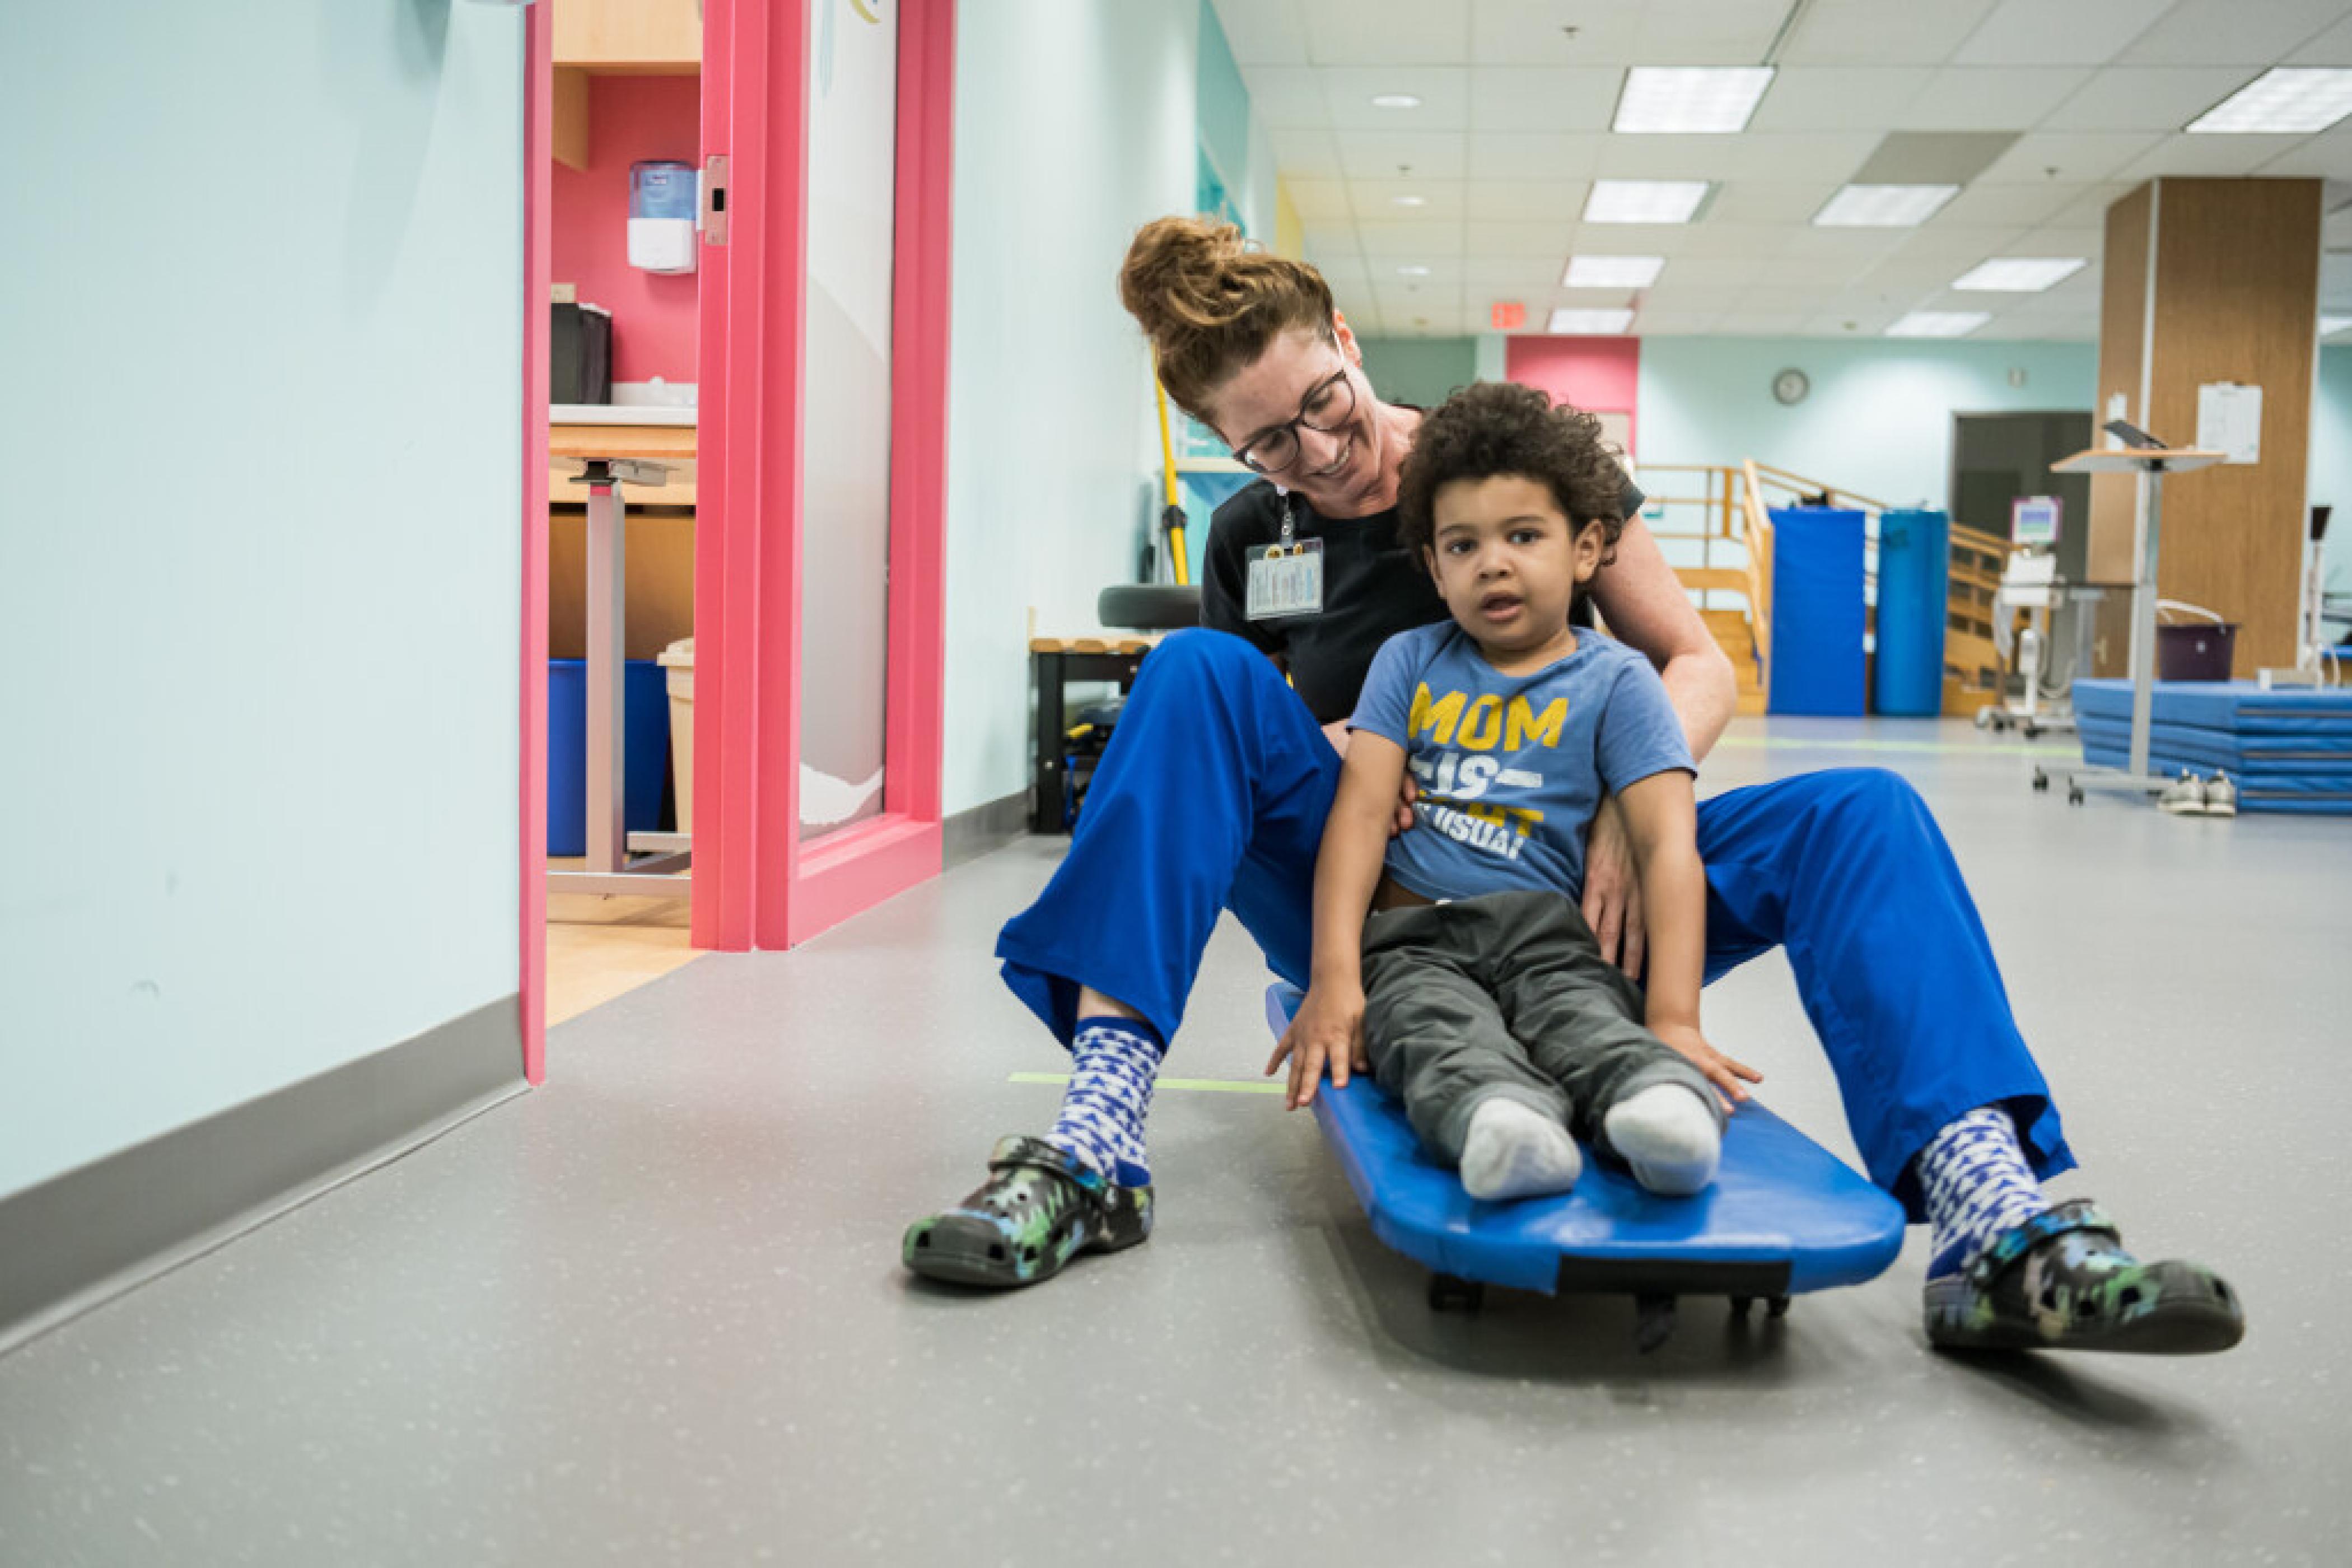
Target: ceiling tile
<point x="1738" y="239"/>
<point x="2327" y="156"/>
<point x="1386" y="32"/>
<point x="2088" y="210"/>
<point x="1987" y="205"/>
<point x="1263" y="32"/>
<point x="1543" y="97"/>
<point x="2074" y="155"/>
<point x="1528" y="241"/>
<point x="1757" y="324"/>
<point x="1883" y="32"/>
<point x="2147" y="99"/>
<point x="1829" y="157"/>
<point x="1391" y="155"/>
<point x="1375" y="201"/>
<point x="1839" y="98"/>
<point x="1754" y="201"/>
<point x="1613" y="32"/>
<point x="1673" y="294"/>
<point x="1524" y="201"/>
<point x="2039" y="33"/>
<point x="1287" y="96"/>
<point x="1320" y="201"/>
<point x="1524" y="275"/>
<point x="2232" y="32"/>
<point x="1322" y="239"/>
<point x="1443" y="91"/>
<point x="1528" y="155"/>
<point x="1419" y="242"/>
<point x="1303" y="155"/>
<point x="1347" y="275"/>
<point x="1655" y="323"/>
<point x="2209" y="155"/>
<point x="2006" y="98"/>
<point x="2332" y="48"/>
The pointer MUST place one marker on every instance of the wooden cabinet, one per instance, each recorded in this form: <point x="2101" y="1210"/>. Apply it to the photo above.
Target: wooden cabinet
<point x="643" y="38"/>
<point x="615" y="37"/>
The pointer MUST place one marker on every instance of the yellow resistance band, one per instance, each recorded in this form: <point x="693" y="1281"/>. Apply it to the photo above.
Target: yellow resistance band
<point x="1168" y="476"/>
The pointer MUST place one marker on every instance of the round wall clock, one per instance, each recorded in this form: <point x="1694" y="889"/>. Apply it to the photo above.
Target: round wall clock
<point x="1791" y="386"/>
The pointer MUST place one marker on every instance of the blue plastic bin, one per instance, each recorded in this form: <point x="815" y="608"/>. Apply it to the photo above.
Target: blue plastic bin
<point x="644" y="750"/>
<point x="1913" y="586"/>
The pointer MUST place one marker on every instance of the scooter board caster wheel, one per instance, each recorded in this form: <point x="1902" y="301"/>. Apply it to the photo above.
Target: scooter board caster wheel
<point x="1653" y="1321"/>
<point x="1447" y="1291"/>
<point x="2041" y="781"/>
<point x="1778" y="1307"/>
<point x="1741" y="1306"/>
<point x="2074" y="794"/>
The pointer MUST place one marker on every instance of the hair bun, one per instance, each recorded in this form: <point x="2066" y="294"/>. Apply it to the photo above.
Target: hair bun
<point x="1180" y="273"/>
<point x="1211" y="301"/>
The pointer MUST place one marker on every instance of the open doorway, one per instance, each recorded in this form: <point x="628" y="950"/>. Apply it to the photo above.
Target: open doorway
<point x="623" y="168"/>
<point x="2001" y="458"/>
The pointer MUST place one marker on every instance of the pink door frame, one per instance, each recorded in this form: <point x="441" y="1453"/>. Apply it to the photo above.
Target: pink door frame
<point x="755" y="883"/>
<point x="764" y="887"/>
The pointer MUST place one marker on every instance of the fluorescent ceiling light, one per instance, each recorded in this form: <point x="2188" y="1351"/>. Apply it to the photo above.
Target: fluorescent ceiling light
<point x="2019" y="274"/>
<point x="1613" y="271"/>
<point x="1395" y="100"/>
<point x="1688" y="100"/>
<point x="2331" y="325"/>
<point x="1645" y="201"/>
<point x="2286" y="100"/>
<point x="1883" y="206"/>
<point x="1938" y="324"/>
<point x="1413" y="270"/>
<point x="1410" y="201"/>
<point x="1590" y="324"/>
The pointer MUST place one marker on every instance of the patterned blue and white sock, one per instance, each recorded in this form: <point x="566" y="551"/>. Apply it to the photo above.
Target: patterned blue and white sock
<point x="1978" y="1184"/>
<point x="1113" y="1062"/>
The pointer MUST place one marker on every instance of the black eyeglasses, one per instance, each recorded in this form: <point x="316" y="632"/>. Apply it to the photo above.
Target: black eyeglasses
<point x="1328" y="406"/>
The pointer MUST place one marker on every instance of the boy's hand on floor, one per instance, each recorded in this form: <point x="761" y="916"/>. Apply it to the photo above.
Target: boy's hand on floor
<point x="1328" y="1032"/>
<point x="1730" y="1078"/>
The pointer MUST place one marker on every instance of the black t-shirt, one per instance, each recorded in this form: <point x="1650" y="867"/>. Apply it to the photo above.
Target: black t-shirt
<point x="1373" y="587"/>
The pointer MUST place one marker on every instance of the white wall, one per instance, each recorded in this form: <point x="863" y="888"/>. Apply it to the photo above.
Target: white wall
<point x="1075" y="124"/>
<point x="1878" y="420"/>
<point x="2331" y="465"/>
<point x="260" y="571"/>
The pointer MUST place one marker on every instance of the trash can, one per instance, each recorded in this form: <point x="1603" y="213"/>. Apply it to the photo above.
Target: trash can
<point x="677" y="665"/>
<point x="648" y="723"/>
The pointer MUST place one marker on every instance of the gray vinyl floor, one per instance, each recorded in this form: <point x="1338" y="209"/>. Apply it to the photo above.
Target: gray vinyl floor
<point x="653" y="1312"/>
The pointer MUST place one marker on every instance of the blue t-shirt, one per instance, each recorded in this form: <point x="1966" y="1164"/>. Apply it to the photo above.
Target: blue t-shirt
<point x="1512" y="767"/>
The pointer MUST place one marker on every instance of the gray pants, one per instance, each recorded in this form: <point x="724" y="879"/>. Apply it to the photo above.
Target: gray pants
<point x="1506" y="995"/>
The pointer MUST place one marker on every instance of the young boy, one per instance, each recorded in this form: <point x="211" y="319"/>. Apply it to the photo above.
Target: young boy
<point x="1476" y="988"/>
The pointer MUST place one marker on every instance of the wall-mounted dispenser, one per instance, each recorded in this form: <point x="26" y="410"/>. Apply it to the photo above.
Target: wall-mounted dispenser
<point x="661" y="216"/>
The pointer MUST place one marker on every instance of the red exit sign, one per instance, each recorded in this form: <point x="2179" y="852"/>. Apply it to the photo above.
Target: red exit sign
<point x="1507" y="315"/>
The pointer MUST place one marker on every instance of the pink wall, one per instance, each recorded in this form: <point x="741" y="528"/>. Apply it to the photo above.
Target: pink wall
<point x="630" y="118"/>
<point x="1602" y="374"/>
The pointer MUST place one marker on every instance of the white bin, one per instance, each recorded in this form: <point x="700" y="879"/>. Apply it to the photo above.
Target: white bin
<point x="679" y="660"/>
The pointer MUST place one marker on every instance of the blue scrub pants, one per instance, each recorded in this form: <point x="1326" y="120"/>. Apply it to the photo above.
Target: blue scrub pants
<point x="1213" y="795"/>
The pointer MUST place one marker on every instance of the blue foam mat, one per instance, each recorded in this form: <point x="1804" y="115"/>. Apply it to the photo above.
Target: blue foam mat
<point x="1780" y="1199"/>
<point x="2211" y="749"/>
<point x="2239" y="707"/>
<point x="2333" y="799"/>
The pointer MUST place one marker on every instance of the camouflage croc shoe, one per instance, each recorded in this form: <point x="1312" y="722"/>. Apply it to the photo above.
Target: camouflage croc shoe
<point x="1039" y="1209"/>
<point x="2062" y="1281"/>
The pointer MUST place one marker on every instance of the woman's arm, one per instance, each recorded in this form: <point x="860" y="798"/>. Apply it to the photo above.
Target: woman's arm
<point x="1330" y="1024"/>
<point x="1662" y="820"/>
<point x="1645" y="606"/>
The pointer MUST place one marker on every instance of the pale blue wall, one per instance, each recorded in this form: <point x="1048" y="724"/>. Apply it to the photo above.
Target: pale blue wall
<point x="1878" y="420"/>
<point x="1420" y="370"/>
<point x="259" y="562"/>
<point x="2331" y="464"/>
<point x="1075" y="125"/>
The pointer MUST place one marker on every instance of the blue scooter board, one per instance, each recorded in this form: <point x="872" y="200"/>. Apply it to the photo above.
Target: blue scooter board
<point x="1783" y="1216"/>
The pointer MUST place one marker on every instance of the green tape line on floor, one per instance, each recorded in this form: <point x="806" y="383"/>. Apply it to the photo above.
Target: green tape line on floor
<point x="1200" y="1085"/>
<point x="1933" y="748"/>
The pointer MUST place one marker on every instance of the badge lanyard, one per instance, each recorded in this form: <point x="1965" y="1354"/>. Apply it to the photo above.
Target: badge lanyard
<point x="1285" y="578"/>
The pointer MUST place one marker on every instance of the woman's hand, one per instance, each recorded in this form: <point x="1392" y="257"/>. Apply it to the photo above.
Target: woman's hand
<point x="1406" y="794"/>
<point x="1612" y="891"/>
<point x="1328" y="1031"/>
<point x="1730" y="1079"/>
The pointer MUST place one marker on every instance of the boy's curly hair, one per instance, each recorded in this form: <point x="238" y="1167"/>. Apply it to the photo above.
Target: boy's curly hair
<point x="1501" y="427"/>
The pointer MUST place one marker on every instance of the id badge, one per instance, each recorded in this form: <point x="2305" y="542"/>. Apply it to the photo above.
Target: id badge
<point x="1284" y="580"/>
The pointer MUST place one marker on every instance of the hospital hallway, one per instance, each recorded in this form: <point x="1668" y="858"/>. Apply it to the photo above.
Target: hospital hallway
<point x="653" y="1311"/>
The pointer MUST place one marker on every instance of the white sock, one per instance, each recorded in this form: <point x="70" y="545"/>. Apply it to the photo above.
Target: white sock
<point x="1667" y="1134"/>
<point x="1514" y="1151"/>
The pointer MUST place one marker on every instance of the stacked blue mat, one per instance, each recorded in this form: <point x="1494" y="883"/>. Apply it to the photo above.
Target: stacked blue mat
<point x="2289" y="749"/>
